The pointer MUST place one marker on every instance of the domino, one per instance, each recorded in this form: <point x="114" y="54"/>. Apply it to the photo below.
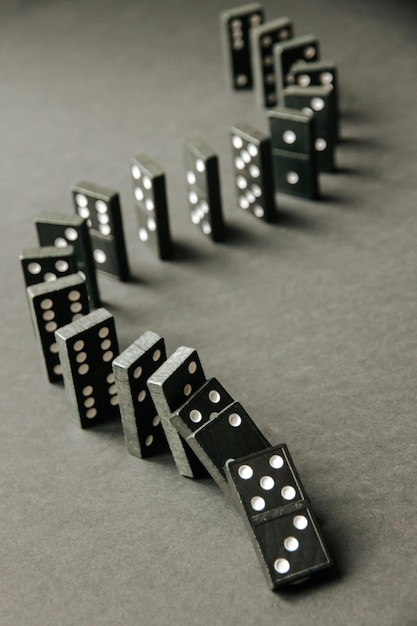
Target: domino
<point x="293" y="155"/>
<point x="47" y="264"/>
<point x="252" y="164"/>
<point x="316" y="74"/>
<point x="53" y="304"/>
<point x="201" y="407"/>
<point x="227" y="435"/>
<point x="151" y="205"/>
<point x="101" y="208"/>
<point x="65" y="230"/>
<point x="287" y="53"/>
<point x="203" y="188"/>
<point x="263" y="39"/>
<point x="87" y="348"/>
<point x="176" y="380"/>
<point x="235" y="25"/>
<point x="143" y="432"/>
<point x="317" y="101"/>
<point x="268" y="493"/>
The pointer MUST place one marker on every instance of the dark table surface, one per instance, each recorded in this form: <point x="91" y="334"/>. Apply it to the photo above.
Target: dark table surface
<point x="310" y="323"/>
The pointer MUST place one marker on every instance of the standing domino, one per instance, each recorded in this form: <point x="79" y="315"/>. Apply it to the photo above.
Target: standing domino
<point x="151" y="205"/>
<point x="53" y="304"/>
<point x="320" y="102"/>
<point x="101" y="208"/>
<point x="144" y="435"/>
<point x="203" y="188"/>
<point x="318" y="74"/>
<point x="47" y="263"/>
<point x="71" y="230"/>
<point x="87" y="348"/>
<point x="263" y="40"/>
<point x="235" y="27"/>
<point x="287" y="53"/>
<point x="293" y="155"/>
<point x="252" y="164"/>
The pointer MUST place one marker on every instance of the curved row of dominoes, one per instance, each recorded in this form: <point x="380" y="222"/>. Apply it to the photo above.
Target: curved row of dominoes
<point x="304" y="131"/>
<point x="167" y="403"/>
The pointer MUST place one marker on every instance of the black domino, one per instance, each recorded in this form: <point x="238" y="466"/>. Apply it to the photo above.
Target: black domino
<point x="47" y="263"/>
<point x="143" y="432"/>
<point x="318" y="74"/>
<point x="294" y="157"/>
<point x="176" y="380"/>
<point x="202" y="406"/>
<point x="203" y="188"/>
<point x="219" y="437"/>
<point x="235" y="25"/>
<point x="305" y="48"/>
<point x="268" y="493"/>
<point x="87" y="348"/>
<point x="252" y="164"/>
<point x="263" y="40"/>
<point x="52" y="305"/>
<point x="151" y="205"/>
<point x="100" y="206"/>
<point x="317" y="101"/>
<point x="65" y="230"/>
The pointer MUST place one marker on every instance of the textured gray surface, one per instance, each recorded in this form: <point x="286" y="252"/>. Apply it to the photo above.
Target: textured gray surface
<point x="310" y="323"/>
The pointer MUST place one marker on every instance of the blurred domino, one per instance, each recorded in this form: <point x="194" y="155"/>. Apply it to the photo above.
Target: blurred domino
<point x="151" y="205"/>
<point x="263" y="39"/>
<point x="294" y="157"/>
<point x="305" y="48"/>
<point x="100" y="206"/>
<point x="318" y="101"/>
<point x="47" y="264"/>
<point x="203" y="188"/>
<point x="71" y="230"/>
<point x="235" y="25"/>
<point x="318" y="74"/>
<point x="252" y="164"/>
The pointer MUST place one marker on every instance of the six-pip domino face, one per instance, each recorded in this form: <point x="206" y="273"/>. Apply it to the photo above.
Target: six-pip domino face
<point x="252" y="165"/>
<point x="87" y="348"/>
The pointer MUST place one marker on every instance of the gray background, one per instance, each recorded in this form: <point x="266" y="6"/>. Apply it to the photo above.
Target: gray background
<point x="310" y="323"/>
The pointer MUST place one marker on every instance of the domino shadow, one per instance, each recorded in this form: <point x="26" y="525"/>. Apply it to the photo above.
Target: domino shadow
<point x="293" y="220"/>
<point x="331" y="198"/>
<point x="111" y="429"/>
<point x="184" y="252"/>
<point x="235" y="235"/>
